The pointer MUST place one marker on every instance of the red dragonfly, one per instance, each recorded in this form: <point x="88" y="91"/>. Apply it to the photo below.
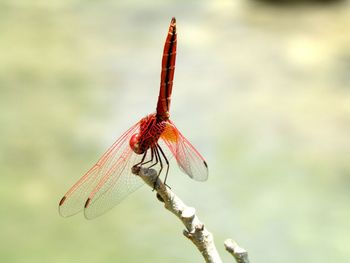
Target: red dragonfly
<point x="111" y="179"/>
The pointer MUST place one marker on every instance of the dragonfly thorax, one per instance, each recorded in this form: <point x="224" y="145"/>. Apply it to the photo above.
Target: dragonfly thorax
<point x="148" y="136"/>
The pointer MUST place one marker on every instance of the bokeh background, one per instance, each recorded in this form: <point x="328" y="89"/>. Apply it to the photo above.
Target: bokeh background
<point x="261" y="89"/>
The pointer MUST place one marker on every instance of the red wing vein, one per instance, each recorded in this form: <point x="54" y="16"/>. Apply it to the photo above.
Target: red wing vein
<point x="74" y="200"/>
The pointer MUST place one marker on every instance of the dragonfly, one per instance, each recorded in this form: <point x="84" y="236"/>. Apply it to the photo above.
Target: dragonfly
<point x="111" y="179"/>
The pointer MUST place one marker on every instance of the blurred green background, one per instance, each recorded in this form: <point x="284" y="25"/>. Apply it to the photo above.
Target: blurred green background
<point x="262" y="91"/>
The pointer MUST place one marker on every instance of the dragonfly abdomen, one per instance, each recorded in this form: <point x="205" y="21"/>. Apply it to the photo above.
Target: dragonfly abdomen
<point x="167" y="73"/>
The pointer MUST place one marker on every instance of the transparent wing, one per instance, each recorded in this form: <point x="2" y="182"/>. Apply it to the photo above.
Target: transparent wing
<point x="106" y="183"/>
<point x="188" y="158"/>
<point x="117" y="183"/>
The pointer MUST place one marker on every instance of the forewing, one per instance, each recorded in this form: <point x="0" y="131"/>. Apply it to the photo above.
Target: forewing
<point x="188" y="158"/>
<point x="117" y="156"/>
<point x="117" y="183"/>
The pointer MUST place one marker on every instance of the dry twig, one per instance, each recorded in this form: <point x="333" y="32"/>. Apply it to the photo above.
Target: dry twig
<point x="239" y="253"/>
<point x="195" y="229"/>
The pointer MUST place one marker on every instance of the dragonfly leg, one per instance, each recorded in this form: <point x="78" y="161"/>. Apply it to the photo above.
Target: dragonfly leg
<point x="136" y="167"/>
<point x="155" y="155"/>
<point x="158" y="157"/>
<point x="150" y="160"/>
<point x="141" y="162"/>
<point x="167" y="164"/>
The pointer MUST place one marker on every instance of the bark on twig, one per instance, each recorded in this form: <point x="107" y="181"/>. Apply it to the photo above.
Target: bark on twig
<point x="195" y="229"/>
<point x="239" y="253"/>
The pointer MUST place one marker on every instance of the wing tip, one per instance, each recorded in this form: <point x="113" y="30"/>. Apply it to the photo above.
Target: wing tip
<point x="206" y="175"/>
<point x="87" y="203"/>
<point x="61" y="208"/>
<point x="205" y="164"/>
<point x="62" y="200"/>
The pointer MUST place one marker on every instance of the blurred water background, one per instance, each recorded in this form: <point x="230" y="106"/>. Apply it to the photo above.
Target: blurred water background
<point x="262" y="90"/>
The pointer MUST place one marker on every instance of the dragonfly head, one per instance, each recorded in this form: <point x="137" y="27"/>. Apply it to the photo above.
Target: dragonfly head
<point x="135" y="144"/>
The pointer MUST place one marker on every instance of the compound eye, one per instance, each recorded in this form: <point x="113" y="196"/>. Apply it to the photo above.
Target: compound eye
<point x="135" y="143"/>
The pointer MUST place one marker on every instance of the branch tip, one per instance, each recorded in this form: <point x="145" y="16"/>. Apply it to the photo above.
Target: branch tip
<point x="239" y="253"/>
